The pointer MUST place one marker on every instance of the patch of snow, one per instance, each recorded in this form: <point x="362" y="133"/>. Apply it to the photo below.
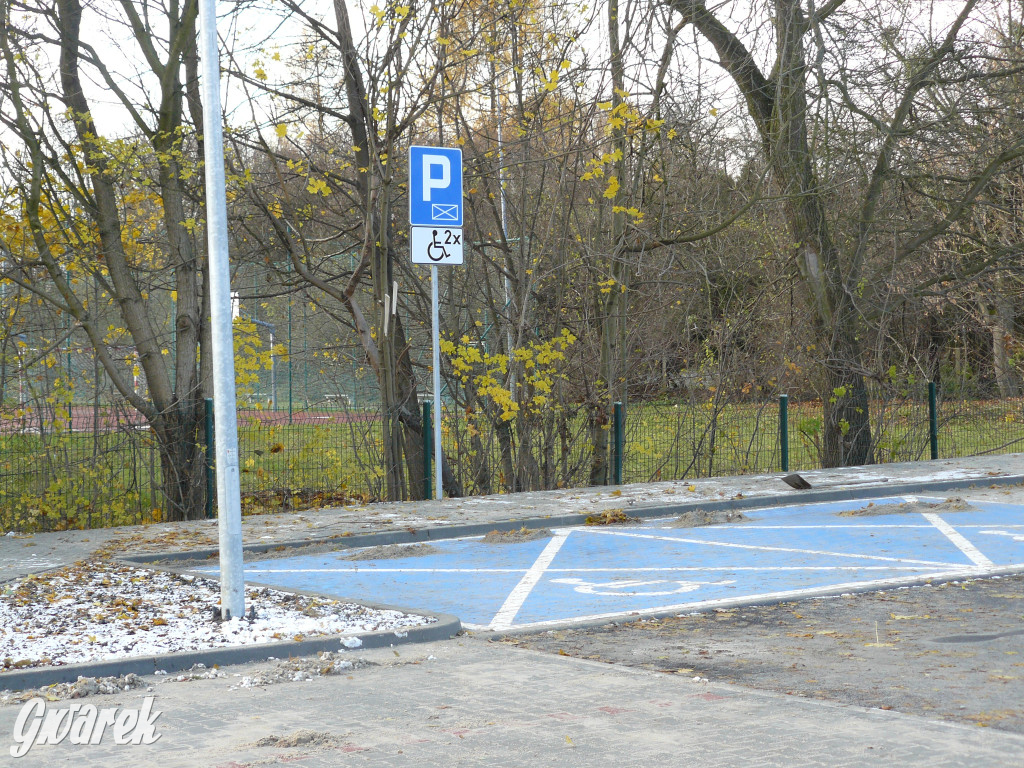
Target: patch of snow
<point x="97" y="611"/>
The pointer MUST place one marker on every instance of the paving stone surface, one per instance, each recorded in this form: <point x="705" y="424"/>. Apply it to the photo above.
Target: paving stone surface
<point x="467" y="702"/>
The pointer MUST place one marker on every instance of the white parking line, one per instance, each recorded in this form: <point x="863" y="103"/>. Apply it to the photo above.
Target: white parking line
<point x="841" y="527"/>
<point x="959" y="541"/>
<point x="550" y="586"/>
<point x="768" y="549"/>
<point x="507" y="613"/>
<point x="965" y="571"/>
<point x="639" y="569"/>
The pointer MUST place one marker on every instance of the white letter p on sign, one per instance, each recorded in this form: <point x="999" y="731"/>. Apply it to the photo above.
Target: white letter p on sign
<point x="429" y="182"/>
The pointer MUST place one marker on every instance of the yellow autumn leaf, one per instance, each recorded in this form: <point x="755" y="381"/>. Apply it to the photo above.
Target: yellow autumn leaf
<point x="613" y="187"/>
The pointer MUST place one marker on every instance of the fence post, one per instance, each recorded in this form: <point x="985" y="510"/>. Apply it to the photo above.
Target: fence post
<point x="618" y="441"/>
<point x="784" y="431"/>
<point x="933" y="421"/>
<point x="428" y="447"/>
<point x="208" y="430"/>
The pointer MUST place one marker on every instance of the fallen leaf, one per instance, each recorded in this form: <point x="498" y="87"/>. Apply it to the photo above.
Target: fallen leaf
<point x="610" y="517"/>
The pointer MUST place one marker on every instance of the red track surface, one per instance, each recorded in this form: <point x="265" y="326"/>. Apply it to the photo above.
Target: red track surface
<point x="85" y="419"/>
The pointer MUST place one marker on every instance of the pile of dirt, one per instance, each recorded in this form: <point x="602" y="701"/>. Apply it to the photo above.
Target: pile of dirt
<point x="302" y="738"/>
<point x="700" y="517"/>
<point x="85" y="686"/>
<point x="303" y="669"/>
<point x="610" y="517"/>
<point x="517" y="536"/>
<point x="953" y="504"/>
<point x="393" y="552"/>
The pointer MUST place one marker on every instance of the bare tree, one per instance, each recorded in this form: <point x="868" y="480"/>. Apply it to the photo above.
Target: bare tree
<point x="74" y="177"/>
<point x="781" y="104"/>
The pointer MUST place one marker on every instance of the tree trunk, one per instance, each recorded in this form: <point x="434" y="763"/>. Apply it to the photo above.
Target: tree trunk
<point x="480" y="463"/>
<point x="389" y="399"/>
<point x="175" y="416"/>
<point x="846" y="412"/>
<point x="998" y="314"/>
<point x="506" y="446"/>
<point x="598" y="417"/>
<point x="778" y="106"/>
<point x="182" y="460"/>
<point x="407" y="408"/>
<point x="611" y="317"/>
<point x="846" y="439"/>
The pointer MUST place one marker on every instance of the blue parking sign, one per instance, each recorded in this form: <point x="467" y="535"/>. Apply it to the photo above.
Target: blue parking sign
<point x="435" y="187"/>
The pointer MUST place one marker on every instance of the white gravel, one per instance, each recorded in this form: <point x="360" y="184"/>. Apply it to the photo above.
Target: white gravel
<point x="97" y="611"/>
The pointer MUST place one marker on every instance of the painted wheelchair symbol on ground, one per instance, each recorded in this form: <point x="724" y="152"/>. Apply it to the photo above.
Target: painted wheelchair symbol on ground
<point x="601" y="572"/>
<point x="620" y="588"/>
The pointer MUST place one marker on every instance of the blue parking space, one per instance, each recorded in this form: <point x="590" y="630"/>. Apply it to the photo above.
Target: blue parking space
<point x="591" y="572"/>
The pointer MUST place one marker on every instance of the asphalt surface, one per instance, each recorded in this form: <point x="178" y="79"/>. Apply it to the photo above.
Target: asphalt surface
<point x="865" y="680"/>
<point x="953" y="652"/>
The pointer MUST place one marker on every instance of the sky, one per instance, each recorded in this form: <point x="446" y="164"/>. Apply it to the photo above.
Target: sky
<point x="259" y="26"/>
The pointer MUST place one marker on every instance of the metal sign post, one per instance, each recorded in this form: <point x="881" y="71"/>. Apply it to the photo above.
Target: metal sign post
<point x="229" y="505"/>
<point x="435" y="343"/>
<point x="435" y="218"/>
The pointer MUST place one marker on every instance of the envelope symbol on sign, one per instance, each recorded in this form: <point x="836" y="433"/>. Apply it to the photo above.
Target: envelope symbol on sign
<point x="442" y="212"/>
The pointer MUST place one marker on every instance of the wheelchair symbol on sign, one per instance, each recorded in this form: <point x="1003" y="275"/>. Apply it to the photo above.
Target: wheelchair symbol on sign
<point x="436" y="251"/>
<point x="628" y="587"/>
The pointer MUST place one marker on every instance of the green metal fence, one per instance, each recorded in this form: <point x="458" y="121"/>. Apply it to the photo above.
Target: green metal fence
<point x="63" y="466"/>
<point x="74" y="466"/>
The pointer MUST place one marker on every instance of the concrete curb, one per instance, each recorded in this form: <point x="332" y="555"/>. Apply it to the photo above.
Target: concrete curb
<point x="445" y="627"/>
<point x="406" y="536"/>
